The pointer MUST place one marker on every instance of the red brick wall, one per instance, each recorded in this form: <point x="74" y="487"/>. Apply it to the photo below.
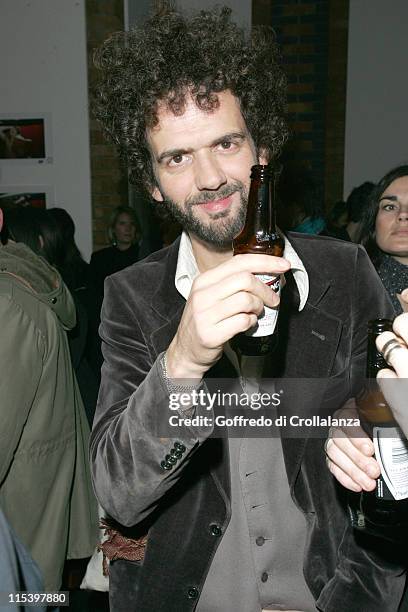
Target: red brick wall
<point x="313" y="38"/>
<point x="109" y="182"/>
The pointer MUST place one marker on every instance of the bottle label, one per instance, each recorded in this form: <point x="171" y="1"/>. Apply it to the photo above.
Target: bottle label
<point x="391" y="452"/>
<point x="267" y="321"/>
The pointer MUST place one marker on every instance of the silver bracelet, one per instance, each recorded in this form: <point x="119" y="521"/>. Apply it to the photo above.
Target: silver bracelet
<point x="173" y="387"/>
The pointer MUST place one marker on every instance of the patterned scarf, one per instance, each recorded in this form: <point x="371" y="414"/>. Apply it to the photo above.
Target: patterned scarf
<point x="394" y="276"/>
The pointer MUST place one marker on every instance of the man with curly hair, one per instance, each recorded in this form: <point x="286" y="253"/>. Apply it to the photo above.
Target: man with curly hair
<point x="198" y="522"/>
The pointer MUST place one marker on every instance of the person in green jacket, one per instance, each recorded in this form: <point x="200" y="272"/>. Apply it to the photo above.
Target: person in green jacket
<point x="45" y="486"/>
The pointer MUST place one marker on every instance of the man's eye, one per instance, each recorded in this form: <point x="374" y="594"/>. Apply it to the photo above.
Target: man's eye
<point x="226" y="145"/>
<point x="176" y="160"/>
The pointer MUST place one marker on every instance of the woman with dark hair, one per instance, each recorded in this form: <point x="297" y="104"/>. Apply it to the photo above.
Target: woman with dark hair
<point x="83" y="339"/>
<point x="38" y="230"/>
<point x="385" y="232"/>
<point x="123" y="234"/>
<point x="73" y="268"/>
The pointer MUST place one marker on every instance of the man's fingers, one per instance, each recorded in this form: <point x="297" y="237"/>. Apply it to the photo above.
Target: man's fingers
<point x="234" y="325"/>
<point x="234" y="284"/>
<point x="256" y="264"/>
<point x="238" y="303"/>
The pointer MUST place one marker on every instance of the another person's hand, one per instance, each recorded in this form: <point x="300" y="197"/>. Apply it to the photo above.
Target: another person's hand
<point x="394" y="384"/>
<point x="223" y="302"/>
<point x="350" y="453"/>
<point x="403" y="299"/>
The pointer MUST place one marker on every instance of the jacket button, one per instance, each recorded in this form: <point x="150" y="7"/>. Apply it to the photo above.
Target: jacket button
<point x="180" y="447"/>
<point x="215" y="530"/>
<point x="264" y="577"/>
<point x="260" y="541"/>
<point x="53" y="300"/>
<point x="192" y="593"/>
<point x="165" y="465"/>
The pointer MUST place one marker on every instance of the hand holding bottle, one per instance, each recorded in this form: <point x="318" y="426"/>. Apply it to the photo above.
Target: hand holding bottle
<point x="394" y="384"/>
<point x="223" y="302"/>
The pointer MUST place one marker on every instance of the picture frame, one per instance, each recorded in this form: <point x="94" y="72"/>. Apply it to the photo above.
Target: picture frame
<point x="25" y="139"/>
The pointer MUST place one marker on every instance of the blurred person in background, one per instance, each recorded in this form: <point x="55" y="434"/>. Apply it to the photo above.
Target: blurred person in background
<point x="123" y="234"/>
<point x="384" y="232"/>
<point x="83" y="339"/>
<point x="72" y="266"/>
<point x="300" y="201"/>
<point x="357" y="203"/>
<point x="45" y="487"/>
<point x="336" y="221"/>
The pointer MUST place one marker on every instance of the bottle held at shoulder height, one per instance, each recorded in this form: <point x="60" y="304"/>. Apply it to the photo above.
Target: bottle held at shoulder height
<point x="389" y="502"/>
<point x="260" y="236"/>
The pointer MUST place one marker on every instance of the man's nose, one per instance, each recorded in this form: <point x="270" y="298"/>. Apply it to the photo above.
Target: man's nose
<point x="208" y="173"/>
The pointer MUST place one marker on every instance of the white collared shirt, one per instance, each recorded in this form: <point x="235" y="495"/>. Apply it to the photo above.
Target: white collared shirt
<point x="187" y="269"/>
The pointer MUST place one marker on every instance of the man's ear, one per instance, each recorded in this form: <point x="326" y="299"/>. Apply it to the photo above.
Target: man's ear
<point x="1" y="219"/>
<point x="156" y="194"/>
<point x="263" y="156"/>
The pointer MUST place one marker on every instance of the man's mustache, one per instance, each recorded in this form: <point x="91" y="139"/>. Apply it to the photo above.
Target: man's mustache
<point x="220" y="194"/>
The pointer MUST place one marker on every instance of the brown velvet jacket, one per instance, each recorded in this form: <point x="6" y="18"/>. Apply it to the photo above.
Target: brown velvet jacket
<point x="324" y="345"/>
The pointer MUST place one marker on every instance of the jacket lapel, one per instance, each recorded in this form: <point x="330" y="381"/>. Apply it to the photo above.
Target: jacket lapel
<point x="308" y="343"/>
<point x="166" y="301"/>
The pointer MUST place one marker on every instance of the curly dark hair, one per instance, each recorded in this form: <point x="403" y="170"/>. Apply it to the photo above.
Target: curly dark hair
<point x="172" y="56"/>
<point x="367" y="235"/>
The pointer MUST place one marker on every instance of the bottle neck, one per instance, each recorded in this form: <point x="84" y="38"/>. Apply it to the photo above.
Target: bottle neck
<point x="375" y="359"/>
<point x="261" y="215"/>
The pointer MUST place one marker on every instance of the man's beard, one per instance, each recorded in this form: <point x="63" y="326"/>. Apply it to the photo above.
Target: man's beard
<point x="216" y="232"/>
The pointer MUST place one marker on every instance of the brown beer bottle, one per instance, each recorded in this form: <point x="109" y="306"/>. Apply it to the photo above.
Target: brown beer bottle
<point x="259" y="235"/>
<point x="388" y="504"/>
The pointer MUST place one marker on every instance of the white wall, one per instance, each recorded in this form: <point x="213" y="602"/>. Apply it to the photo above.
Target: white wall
<point x="44" y="69"/>
<point x="377" y="90"/>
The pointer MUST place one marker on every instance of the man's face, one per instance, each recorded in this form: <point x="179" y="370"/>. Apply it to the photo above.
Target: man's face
<point x="202" y="163"/>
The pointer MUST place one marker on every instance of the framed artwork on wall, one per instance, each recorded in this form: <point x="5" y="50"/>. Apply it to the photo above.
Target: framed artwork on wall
<point x="25" y="138"/>
<point x="33" y="195"/>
